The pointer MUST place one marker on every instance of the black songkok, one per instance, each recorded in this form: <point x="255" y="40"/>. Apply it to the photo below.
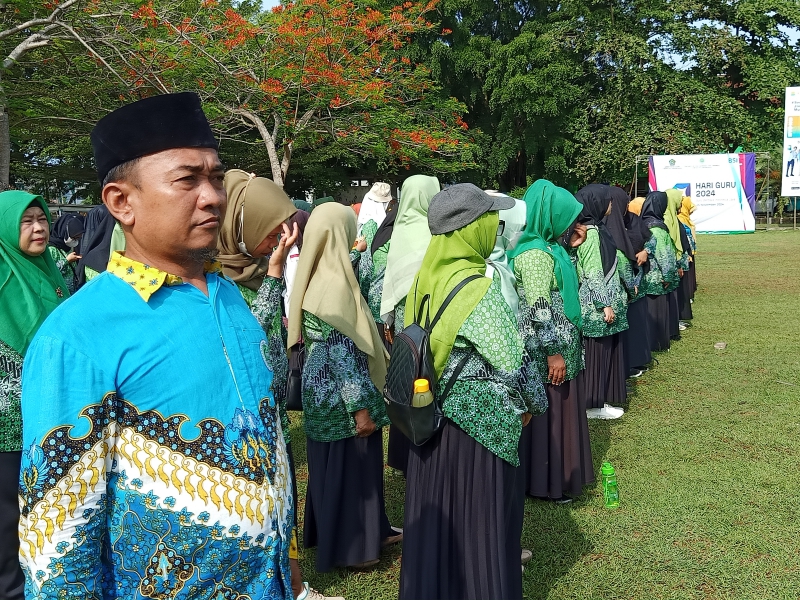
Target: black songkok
<point x="148" y="126"/>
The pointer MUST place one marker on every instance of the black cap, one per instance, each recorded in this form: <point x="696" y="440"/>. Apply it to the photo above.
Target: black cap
<point x="149" y="126"/>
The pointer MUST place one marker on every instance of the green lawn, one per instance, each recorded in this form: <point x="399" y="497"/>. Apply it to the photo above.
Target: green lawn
<point x="706" y="456"/>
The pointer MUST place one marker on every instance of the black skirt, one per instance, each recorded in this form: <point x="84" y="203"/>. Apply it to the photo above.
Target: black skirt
<point x="685" y="295"/>
<point x="399" y="447"/>
<point x="636" y="339"/>
<point x="672" y="299"/>
<point x="12" y="579"/>
<point x="603" y="379"/>
<point x="345" y="514"/>
<point x="463" y="522"/>
<point x="658" y="313"/>
<point x="555" y="451"/>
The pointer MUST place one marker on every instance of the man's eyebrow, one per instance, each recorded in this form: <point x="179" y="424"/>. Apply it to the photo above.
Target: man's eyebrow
<point x="197" y="168"/>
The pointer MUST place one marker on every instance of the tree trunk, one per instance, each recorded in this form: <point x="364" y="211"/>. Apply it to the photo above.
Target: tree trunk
<point x="5" y="149"/>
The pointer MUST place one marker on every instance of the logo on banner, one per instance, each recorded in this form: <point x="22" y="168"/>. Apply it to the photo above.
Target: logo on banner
<point x="671" y="162"/>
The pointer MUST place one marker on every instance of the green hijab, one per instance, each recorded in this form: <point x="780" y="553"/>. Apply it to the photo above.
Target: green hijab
<point x="674" y="199"/>
<point x="30" y="286"/>
<point x="410" y="238"/>
<point x="551" y="211"/>
<point x="451" y="258"/>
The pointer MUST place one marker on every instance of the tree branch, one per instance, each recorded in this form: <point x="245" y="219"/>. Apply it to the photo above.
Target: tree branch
<point x="269" y="141"/>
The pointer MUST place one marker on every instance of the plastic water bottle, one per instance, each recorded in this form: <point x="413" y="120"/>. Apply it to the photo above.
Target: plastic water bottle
<point x="422" y="393"/>
<point x="610" y="489"/>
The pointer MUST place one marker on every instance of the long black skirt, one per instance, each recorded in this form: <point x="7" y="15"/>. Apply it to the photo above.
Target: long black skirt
<point x="12" y="580"/>
<point x="595" y="378"/>
<point x="555" y="452"/>
<point x="672" y="299"/>
<point x="463" y="522"/>
<point x="658" y="313"/>
<point x="685" y="295"/>
<point x="345" y="514"/>
<point x="399" y="447"/>
<point x="636" y="339"/>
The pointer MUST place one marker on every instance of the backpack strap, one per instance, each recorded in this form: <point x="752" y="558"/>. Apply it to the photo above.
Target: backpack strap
<point x="453" y="379"/>
<point x="449" y="298"/>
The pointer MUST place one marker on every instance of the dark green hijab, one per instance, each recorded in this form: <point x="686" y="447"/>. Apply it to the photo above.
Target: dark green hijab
<point x="30" y="286"/>
<point x="551" y="211"/>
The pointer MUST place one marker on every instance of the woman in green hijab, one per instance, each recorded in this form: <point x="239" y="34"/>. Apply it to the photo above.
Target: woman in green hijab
<point x="31" y="287"/>
<point x="555" y="448"/>
<point x="486" y="409"/>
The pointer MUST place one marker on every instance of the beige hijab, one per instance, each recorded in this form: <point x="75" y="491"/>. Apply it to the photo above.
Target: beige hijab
<point x="265" y="206"/>
<point x="325" y="285"/>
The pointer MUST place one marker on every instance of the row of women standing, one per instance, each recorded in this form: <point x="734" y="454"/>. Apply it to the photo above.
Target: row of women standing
<point x="558" y="278"/>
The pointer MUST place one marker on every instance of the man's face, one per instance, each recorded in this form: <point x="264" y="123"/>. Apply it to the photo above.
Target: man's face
<point x="177" y="202"/>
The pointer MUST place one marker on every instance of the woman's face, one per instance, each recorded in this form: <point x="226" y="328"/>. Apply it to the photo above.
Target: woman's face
<point x="34" y="231"/>
<point x="578" y="235"/>
<point x="269" y="242"/>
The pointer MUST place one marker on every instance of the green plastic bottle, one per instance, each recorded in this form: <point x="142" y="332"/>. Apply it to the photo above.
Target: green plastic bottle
<point x="610" y="489"/>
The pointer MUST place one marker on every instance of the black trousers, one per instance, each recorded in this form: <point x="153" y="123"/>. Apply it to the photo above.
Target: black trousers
<point x="12" y="581"/>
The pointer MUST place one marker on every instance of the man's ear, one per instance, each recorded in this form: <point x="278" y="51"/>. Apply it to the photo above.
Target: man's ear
<point x="116" y="197"/>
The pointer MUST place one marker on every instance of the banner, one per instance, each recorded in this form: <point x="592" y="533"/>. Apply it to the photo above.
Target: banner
<point x="790" y="171"/>
<point x="722" y="187"/>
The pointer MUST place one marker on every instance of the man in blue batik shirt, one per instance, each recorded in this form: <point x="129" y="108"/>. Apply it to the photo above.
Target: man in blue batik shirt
<point x="153" y="462"/>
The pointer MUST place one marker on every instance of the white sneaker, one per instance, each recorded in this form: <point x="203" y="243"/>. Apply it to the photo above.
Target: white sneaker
<point x="682" y="326"/>
<point x="607" y="412"/>
<point x="527" y="555"/>
<point x="311" y="594"/>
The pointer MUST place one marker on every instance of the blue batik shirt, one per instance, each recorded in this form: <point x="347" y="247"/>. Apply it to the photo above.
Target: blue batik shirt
<point x="154" y="464"/>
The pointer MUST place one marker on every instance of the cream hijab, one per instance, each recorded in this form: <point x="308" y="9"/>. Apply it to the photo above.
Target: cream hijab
<point x="256" y="206"/>
<point x="325" y="285"/>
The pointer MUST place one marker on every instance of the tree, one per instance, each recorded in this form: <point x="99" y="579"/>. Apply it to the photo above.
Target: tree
<point x="321" y="76"/>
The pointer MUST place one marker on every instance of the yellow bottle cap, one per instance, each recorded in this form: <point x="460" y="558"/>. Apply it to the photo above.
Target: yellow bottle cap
<point x="421" y="386"/>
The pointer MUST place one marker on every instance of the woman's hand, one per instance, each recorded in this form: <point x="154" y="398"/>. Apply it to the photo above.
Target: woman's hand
<point x="365" y="426"/>
<point x="526" y="418"/>
<point x="680" y="272"/>
<point x="608" y="315"/>
<point x="642" y="257"/>
<point x="556" y="369"/>
<point x="73" y="257"/>
<point x="278" y="257"/>
<point x="361" y="243"/>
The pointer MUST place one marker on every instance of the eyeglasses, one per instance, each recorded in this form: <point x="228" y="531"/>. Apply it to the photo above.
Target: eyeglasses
<point x="501" y="228"/>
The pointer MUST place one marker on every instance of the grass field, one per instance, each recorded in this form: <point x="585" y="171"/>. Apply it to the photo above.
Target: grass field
<point x="707" y="456"/>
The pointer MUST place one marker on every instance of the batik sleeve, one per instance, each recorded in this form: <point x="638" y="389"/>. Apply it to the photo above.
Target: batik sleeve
<point x="590" y="271"/>
<point x="69" y="441"/>
<point x="626" y="274"/>
<point x="534" y="270"/>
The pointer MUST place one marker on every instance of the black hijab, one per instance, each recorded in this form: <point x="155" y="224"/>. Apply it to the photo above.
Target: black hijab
<point x="616" y="222"/>
<point x="595" y="199"/>
<point x="96" y="242"/>
<point x="301" y="218"/>
<point x="384" y="233"/>
<point x="66" y="226"/>
<point x="653" y="209"/>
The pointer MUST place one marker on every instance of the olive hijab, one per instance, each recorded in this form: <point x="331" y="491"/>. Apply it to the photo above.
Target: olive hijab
<point x="595" y="199"/>
<point x="551" y="211"/>
<point x="674" y="198"/>
<point x="449" y="259"/>
<point x="30" y="286"/>
<point x="256" y="206"/>
<point x="410" y="239"/>
<point x="326" y="286"/>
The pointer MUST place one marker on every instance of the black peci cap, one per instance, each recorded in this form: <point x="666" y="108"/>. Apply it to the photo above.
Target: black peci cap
<point x="148" y="126"/>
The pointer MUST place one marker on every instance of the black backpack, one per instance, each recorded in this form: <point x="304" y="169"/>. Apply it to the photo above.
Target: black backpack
<point x="412" y="359"/>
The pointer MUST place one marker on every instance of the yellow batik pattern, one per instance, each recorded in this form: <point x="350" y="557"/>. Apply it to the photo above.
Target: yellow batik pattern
<point x="146" y="280"/>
